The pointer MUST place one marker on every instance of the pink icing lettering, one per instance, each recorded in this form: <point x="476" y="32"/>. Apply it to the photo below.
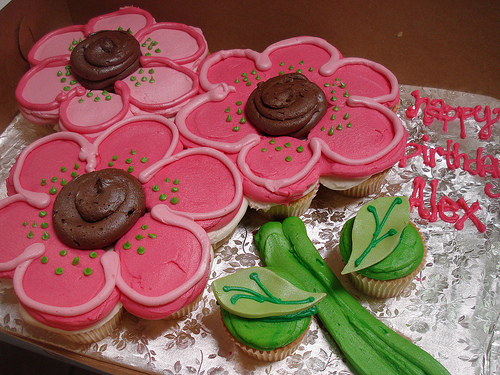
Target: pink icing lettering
<point x="437" y="109"/>
<point x="444" y="205"/>
<point x="489" y="193"/>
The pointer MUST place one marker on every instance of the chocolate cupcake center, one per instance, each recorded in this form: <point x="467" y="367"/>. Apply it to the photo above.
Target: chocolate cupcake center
<point x="96" y="209"/>
<point x="288" y="104"/>
<point x="105" y="57"/>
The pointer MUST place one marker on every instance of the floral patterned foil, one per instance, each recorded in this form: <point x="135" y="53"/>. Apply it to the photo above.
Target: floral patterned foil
<point x="451" y="310"/>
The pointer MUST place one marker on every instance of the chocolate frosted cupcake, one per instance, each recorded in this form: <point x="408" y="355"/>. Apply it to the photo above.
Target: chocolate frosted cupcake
<point x="288" y="105"/>
<point x="105" y="57"/>
<point x="382" y="249"/>
<point x="266" y="315"/>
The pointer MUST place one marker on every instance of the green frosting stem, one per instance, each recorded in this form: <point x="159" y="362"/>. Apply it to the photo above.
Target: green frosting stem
<point x="369" y="345"/>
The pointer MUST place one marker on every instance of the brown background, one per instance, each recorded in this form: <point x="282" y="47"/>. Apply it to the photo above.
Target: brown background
<point x="448" y="44"/>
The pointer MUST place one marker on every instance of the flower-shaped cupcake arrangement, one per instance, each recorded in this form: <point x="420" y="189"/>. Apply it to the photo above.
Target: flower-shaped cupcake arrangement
<point x="156" y="266"/>
<point x="294" y="115"/>
<point x="88" y="77"/>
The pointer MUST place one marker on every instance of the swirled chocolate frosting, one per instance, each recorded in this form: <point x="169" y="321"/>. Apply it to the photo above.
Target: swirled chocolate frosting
<point x="96" y="209"/>
<point x="287" y="104"/>
<point x="105" y="57"/>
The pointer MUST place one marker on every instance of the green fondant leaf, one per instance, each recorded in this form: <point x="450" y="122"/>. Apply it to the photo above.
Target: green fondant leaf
<point x="376" y="231"/>
<point x="258" y="292"/>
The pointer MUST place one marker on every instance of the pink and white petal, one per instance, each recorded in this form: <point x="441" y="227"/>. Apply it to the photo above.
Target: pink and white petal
<point x="91" y="112"/>
<point x="365" y="138"/>
<point x="164" y="264"/>
<point x="26" y="231"/>
<point x="136" y="143"/>
<point x="278" y="170"/>
<point x="185" y="45"/>
<point x="67" y="288"/>
<point x="126" y="18"/>
<point x="47" y="164"/>
<point x="200" y="183"/>
<point x="43" y="87"/>
<point x="216" y="119"/>
<point x="160" y="86"/>
<point x="58" y="43"/>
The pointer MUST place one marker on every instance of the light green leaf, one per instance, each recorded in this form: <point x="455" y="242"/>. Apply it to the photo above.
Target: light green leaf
<point x="376" y="231"/>
<point x="258" y="292"/>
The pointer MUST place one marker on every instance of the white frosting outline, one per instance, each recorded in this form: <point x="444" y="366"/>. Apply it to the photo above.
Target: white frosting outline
<point x="165" y="215"/>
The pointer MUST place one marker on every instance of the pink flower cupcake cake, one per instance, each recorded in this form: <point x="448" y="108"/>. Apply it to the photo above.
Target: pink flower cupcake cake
<point x="117" y="222"/>
<point x="88" y="77"/>
<point x="294" y="116"/>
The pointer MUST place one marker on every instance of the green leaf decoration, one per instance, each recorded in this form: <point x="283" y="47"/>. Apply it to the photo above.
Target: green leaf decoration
<point x="376" y="231"/>
<point x="258" y="292"/>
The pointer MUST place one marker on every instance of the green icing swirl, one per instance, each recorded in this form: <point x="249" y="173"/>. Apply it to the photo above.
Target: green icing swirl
<point x="402" y="261"/>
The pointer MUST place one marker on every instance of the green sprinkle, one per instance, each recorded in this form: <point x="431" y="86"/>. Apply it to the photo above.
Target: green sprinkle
<point x="53" y="190"/>
<point x="342" y="85"/>
<point x="236" y="128"/>
<point x="139" y="237"/>
<point x="63" y="253"/>
<point x="323" y="129"/>
<point x="59" y="73"/>
<point x="339" y="127"/>
<point x="141" y="71"/>
<point x="151" y="71"/>
<point x="25" y="223"/>
<point x="53" y="179"/>
<point x="263" y="149"/>
<point x="144" y="160"/>
<point x="278" y="148"/>
<point x="157" y="50"/>
<point x="64" y="169"/>
<point x="333" y="98"/>
<point x="330" y="132"/>
<point x="282" y="63"/>
<point x="176" y="182"/>
<point x="349" y="125"/>
<point x="167" y="179"/>
<point x="249" y="83"/>
<point x="93" y="255"/>
<point x="236" y="80"/>
<point x="272" y="141"/>
<point x="336" y="109"/>
<point x="63" y="79"/>
<point x="87" y="271"/>
<point x="243" y="120"/>
<point x="155" y="188"/>
<point x="144" y="79"/>
<point x="299" y="71"/>
<point x="115" y="157"/>
<point x="44" y="225"/>
<point x="152" y="235"/>
<point x="239" y="111"/>
<point x="80" y="100"/>
<point x="133" y="152"/>
<point x="238" y="102"/>
<point x="128" y="161"/>
<point x="130" y="169"/>
<point x="63" y="182"/>
<point x="127" y="245"/>
<point x="327" y="84"/>
<point x="42" y="213"/>
<point x="140" y="250"/>
<point x="74" y="174"/>
<point x="75" y="261"/>
<point x="346" y="94"/>
<point x="59" y="271"/>
<point x="108" y="97"/>
<point x="163" y="197"/>
<point x="300" y="148"/>
<point x="34" y="225"/>
<point x="287" y="144"/>
<point x="44" y="260"/>
<point x="76" y="166"/>
<point x="72" y="82"/>
<point x="66" y="88"/>
<point x="30" y="235"/>
<point x="288" y="158"/>
<point x="174" y="189"/>
<point x="90" y="94"/>
<point x="110" y="164"/>
<point x="144" y="227"/>
<point x="44" y="182"/>
<point x="133" y="78"/>
<point x="227" y="110"/>
<point x="291" y="67"/>
<point x="228" y="118"/>
<point x="174" y="200"/>
<point x="137" y="84"/>
<point x="311" y="69"/>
